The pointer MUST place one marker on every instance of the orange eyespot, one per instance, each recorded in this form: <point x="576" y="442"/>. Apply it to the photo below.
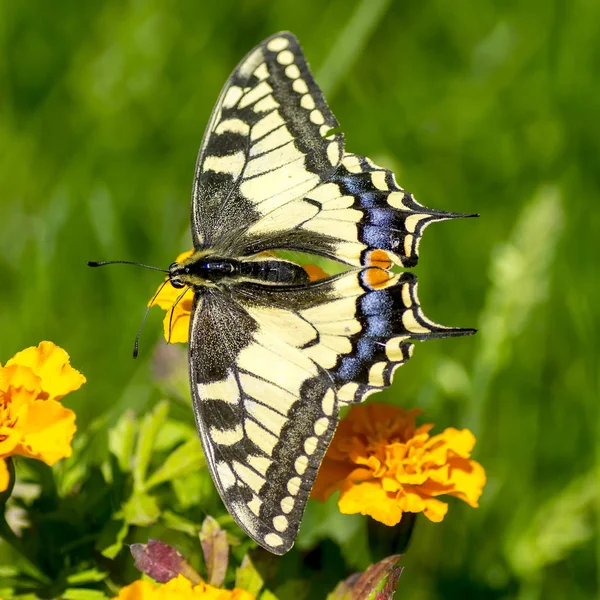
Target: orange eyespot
<point x="379" y="258"/>
<point x="376" y="278"/>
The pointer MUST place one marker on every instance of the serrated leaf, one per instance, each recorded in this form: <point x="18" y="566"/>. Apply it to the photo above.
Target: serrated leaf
<point x="185" y="459"/>
<point x="145" y="444"/>
<point x="162" y="562"/>
<point x="121" y="440"/>
<point x="111" y="538"/>
<point x="141" y="509"/>
<point x="248" y="578"/>
<point x="216" y="551"/>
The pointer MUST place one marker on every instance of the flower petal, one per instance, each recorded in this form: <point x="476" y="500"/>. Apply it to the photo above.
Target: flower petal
<point x="47" y="431"/>
<point x="4" y="475"/>
<point x="51" y="364"/>
<point x="369" y="498"/>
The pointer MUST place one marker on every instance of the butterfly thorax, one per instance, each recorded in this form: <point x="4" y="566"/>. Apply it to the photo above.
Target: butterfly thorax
<point x="204" y="269"/>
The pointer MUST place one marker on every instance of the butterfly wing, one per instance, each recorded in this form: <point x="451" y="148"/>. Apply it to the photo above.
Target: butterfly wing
<point x="272" y="174"/>
<point x="270" y="367"/>
<point x="264" y="144"/>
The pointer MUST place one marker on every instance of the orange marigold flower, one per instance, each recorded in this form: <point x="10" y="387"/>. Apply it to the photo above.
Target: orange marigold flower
<point x="383" y="465"/>
<point x="178" y="316"/>
<point x="33" y="422"/>
<point x="179" y="588"/>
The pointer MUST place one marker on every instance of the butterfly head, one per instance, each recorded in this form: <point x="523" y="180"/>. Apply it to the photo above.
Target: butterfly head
<point x="179" y="275"/>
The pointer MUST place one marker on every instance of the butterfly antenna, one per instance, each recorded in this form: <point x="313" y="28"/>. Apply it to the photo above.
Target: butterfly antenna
<point x="173" y="310"/>
<point x="136" y="344"/>
<point x="124" y="262"/>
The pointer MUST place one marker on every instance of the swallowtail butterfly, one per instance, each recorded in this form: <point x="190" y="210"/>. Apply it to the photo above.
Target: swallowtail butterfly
<point x="272" y="356"/>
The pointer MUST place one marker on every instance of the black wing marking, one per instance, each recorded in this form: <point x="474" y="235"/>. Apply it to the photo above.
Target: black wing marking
<point x="361" y="217"/>
<point x="264" y="144"/>
<point x="269" y="368"/>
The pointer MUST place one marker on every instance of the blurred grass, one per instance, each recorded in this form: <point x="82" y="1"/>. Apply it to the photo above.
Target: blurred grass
<point x="480" y="107"/>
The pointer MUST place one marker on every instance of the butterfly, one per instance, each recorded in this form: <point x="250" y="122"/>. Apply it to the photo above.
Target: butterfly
<point x="273" y="357"/>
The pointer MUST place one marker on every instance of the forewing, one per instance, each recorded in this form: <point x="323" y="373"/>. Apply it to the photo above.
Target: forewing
<point x="264" y="145"/>
<point x="361" y="216"/>
<point x="270" y="367"/>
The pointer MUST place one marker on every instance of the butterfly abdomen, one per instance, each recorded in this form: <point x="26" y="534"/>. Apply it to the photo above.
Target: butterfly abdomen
<point x="204" y="270"/>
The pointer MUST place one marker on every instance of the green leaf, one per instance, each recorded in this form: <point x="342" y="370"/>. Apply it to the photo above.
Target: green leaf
<point x="187" y="458"/>
<point x="141" y="510"/>
<point x="82" y="594"/>
<point x="176" y="522"/>
<point x="121" y="440"/>
<point x="268" y="595"/>
<point x="248" y="578"/>
<point x="111" y="538"/>
<point x="87" y="576"/>
<point x="145" y="444"/>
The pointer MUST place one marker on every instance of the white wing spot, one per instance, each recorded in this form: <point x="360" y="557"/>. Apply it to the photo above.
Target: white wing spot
<point x="299" y="85"/>
<point x="408" y="242"/>
<point x="376" y="374"/>
<point x="406" y="298"/>
<point x="285" y="58"/>
<point x="272" y="539"/>
<point x="328" y="402"/>
<point x="287" y="505"/>
<point x="293" y="485"/>
<point x="321" y="425"/>
<point x="293" y="72"/>
<point x="280" y="523"/>
<point x="347" y="391"/>
<point x="310" y="445"/>
<point x="307" y="102"/>
<point x="333" y="152"/>
<point x="316" y="116"/>
<point x="378" y="179"/>
<point x="277" y="44"/>
<point x="301" y="464"/>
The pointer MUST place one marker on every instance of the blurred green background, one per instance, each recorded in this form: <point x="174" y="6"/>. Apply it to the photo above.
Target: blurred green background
<point x="488" y="107"/>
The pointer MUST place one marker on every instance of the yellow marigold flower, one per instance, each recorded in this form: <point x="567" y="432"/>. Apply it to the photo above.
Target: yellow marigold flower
<point x="179" y="322"/>
<point x="383" y="465"/>
<point x="179" y="588"/>
<point x="33" y="422"/>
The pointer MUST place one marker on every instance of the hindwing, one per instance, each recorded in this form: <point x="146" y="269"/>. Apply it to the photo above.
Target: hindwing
<point x="270" y="367"/>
